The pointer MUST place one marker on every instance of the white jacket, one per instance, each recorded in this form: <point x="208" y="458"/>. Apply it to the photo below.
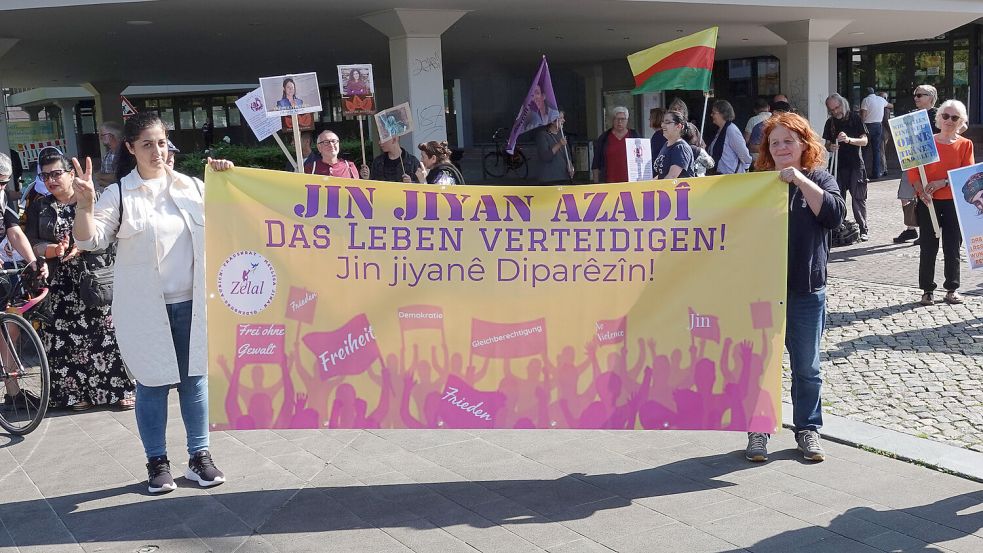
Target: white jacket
<point x="139" y="313"/>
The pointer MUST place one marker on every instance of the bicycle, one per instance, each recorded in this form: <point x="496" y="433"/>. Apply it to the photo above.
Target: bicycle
<point x="498" y="163"/>
<point x="23" y="361"/>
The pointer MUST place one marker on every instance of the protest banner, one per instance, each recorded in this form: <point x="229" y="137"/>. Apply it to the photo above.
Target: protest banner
<point x="967" y="194"/>
<point x="538" y="108"/>
<point x="914" y="142"/>
<point x="639" y="152"/>
<point x="292" y="95"/>
<point x="414" y="306"/>
<point x="253" y="110"/>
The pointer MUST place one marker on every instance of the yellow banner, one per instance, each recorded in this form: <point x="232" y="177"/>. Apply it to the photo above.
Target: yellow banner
<point x="338" y="303"/>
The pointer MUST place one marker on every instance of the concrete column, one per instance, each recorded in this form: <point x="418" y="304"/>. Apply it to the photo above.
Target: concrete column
<point x="67" y="108"/>
<point x="108" y="107"/>
<point x="417" y="66"/>
<point x="594" y="99"/>
<point x="806" y="65"/>
<point x="33" y="112"/>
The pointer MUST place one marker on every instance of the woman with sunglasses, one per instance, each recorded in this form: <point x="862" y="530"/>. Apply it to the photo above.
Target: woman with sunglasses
<point x="925" y="97"/>
<point x="954" y="152"/>
<point x="156" y="218"/>
<point x="86" y="365"/>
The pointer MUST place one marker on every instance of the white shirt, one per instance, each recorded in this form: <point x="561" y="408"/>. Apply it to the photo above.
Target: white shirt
<point x="174" y="249"/>
<point x="753" y="122"/>
<point x="873" y="108"/>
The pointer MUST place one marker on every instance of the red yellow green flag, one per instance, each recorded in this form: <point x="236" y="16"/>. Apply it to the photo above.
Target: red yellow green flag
<point x="681" y="64"/>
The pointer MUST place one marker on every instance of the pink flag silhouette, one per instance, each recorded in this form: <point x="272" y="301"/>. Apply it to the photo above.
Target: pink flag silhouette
<point x="612" y="331"/>
<point x="350" y="349"/>
<point x="508" y="340"/>
<point x="461" y="406"/>
<point x="301" y="304"/>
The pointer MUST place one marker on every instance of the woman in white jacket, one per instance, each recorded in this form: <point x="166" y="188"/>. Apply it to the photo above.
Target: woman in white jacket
<point x="157" y="218"/>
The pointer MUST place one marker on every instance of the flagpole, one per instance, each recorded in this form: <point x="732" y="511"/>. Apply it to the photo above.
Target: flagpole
<point x="706" y="98"/>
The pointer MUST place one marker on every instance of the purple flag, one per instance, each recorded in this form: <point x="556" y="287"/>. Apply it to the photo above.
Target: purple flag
<point x="538" y="109"/>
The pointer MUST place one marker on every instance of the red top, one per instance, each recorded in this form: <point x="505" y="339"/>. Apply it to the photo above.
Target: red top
<point x="343" y="168"/>
<point x="616" y="159"/>
<point x="951" y="156"/>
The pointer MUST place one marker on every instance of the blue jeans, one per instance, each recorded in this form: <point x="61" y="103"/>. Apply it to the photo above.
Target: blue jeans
<point x="151" y="407"/>
<point x="805" y="319"/>
<point x="875" y="143"/>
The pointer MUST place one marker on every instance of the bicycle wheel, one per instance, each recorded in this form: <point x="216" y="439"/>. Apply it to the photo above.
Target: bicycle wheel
<point x="519" y="165"/>
<point x="25" y="375"/>
<point x="494" y="165"/>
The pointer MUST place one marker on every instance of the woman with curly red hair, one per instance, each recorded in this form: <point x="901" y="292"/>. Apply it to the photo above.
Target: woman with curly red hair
<point x="815" y="207"/>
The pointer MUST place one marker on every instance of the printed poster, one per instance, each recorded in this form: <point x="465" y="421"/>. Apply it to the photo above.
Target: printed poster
<point x="913" y="139"/>
<point x="357" y="89"/>
<point x="337" y="303"/>
<point x="253" y="110"/>
<point x="395" y="121"/>
<point x="967" y="194"/>
<point x="639" y="152"/>
<point x="291" y="94"/>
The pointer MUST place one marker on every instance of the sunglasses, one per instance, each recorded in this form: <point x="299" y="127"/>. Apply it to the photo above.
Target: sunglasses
<point x="56" y="174"/>
<point x="946" y="117"/>
<point x="327" y="142"/>
<point x="4" y="182"/>
<point x="919" y="95"/>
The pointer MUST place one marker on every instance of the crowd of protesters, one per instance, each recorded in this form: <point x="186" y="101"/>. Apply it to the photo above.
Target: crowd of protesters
<point x="151" y="339"/>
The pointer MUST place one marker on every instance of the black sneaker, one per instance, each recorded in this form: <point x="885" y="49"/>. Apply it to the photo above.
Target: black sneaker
<point x="159" y="479"/>
<point x="906" y="234"/>
<point x="202" y="470"/>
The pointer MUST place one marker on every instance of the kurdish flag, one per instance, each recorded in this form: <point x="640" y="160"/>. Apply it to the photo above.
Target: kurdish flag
<point x="681" y="64"/>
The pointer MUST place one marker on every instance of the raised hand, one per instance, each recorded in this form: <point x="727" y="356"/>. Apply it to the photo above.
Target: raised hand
<point x="85" y="190"/>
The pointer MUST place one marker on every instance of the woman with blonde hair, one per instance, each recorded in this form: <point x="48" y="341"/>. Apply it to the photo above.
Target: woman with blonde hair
<point x="954" y="152"/>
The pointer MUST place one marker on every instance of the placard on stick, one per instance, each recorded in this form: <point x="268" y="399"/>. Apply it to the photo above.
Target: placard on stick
<point x="291" y="94"/>
<point x="915" y="143"/>
<point x="357" y="89"/>
<point x="395" y="121"/>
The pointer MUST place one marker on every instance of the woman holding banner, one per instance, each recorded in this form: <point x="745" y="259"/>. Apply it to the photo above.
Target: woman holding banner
<point x="437" y="167"/>
<point x="815" y="207"/>
<point x="554" y="162"/>
<point x="156" y="218"/>
<point x="954" y="152"/>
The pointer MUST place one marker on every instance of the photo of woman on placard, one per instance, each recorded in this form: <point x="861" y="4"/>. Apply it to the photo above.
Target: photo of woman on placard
<point x="355" y="85"/>
<point x="289" y="99"/>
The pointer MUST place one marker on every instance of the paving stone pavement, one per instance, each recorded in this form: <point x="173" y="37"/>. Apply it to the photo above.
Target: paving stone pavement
<point x="78" y="484"/>
<point x="889" y="362"/>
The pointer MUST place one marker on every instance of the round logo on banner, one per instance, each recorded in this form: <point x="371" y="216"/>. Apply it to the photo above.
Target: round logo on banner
<point x="247" y="282"/>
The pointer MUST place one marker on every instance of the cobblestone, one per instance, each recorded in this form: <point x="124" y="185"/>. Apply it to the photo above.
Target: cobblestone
<point x="870" y="374"/>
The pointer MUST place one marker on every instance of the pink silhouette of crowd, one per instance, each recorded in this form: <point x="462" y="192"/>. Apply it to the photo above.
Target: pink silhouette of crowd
<point x="630" y="385"/>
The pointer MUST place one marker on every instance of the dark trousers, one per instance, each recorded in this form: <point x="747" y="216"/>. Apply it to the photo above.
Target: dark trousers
<point x="853" y="183"/>
<point x="952" y="240"/>
<point x="875" y="146"/>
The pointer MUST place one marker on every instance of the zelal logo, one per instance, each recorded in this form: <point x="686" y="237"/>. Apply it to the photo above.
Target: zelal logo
<point x="256" y="104"/>
<point x="247" y="282"/>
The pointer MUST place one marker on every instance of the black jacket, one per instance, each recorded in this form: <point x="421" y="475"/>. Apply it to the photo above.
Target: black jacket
<point x="809" y="234"/>
<point x="409" y="164"/>
<point x="39" y="227"/>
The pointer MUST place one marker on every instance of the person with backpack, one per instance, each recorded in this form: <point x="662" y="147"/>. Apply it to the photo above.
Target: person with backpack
<point x="845" y="134"/>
